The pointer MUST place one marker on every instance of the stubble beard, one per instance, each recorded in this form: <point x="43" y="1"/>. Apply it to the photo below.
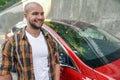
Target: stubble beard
<point x="35" y="27"/>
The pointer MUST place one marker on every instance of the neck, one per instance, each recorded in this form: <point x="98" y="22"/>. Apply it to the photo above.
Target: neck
<point x="33" y="32"/>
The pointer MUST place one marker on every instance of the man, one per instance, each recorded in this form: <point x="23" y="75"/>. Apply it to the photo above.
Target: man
<point x="31" y="51"/>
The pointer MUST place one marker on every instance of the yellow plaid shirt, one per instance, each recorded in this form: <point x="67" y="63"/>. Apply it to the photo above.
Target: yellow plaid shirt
<point x="17" y="52"/>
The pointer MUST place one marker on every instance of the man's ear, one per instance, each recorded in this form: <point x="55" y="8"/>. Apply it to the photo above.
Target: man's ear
<point x="25" y="15"/>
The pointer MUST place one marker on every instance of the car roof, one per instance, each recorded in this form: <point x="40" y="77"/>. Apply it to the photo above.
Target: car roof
<point x="79" y="24"/>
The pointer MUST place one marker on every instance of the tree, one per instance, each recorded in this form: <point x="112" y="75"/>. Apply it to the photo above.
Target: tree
<point x="3" y="2"/>
<point x="7" y="3"/>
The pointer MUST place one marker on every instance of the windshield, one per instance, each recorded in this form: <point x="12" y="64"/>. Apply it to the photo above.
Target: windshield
<point x="98" y="33"/>
<point x="91" y="45"/>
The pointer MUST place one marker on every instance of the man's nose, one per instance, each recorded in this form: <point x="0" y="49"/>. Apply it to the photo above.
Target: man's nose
<point x="40" y="16"/>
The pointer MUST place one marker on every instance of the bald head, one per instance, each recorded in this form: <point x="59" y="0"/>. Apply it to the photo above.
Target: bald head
<point x="29" y="5"/>
<point x="34" y="14"/>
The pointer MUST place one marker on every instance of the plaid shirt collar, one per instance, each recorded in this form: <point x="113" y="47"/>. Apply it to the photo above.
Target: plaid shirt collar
<point x="24" y="34"/>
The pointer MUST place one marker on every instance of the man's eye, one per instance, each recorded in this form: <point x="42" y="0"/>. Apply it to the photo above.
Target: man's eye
<point x="42" y="13"/>
<point x="35" y="13"/>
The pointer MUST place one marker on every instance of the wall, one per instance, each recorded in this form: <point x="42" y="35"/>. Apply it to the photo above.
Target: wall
<point x="102" y="13"/>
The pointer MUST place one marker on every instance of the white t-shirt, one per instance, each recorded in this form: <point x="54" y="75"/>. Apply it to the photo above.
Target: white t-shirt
<point x="40" y="56"/>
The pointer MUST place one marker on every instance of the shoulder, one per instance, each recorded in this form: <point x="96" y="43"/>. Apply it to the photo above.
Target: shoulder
<point x="8" y="43"/>
<point x="11" y="40"/>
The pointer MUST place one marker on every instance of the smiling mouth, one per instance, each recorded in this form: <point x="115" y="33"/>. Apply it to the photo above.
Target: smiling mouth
<point x="39" y="21"/>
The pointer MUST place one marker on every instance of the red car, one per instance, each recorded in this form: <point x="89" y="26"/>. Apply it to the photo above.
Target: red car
<point x="86" y="52"/>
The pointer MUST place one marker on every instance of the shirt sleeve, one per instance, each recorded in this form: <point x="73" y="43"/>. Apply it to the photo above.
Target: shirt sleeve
<point x="6" y="58"/>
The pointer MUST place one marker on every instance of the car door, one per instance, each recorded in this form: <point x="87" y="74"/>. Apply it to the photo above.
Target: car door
<point x="69" y="70"/>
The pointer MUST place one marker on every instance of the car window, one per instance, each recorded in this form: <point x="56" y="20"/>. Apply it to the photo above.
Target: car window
<point x="77" y="43"/>
<point x="107" y="46"/>
<point x="65" y="59"/>
<point x="89" y="47"/>
<point x="97" y="33"/>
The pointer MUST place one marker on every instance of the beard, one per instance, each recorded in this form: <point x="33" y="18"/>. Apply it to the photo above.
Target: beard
<point x="34" y="26"/>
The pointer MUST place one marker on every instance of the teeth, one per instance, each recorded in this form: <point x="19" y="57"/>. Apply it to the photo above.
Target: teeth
<point x="39" y="21"/>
